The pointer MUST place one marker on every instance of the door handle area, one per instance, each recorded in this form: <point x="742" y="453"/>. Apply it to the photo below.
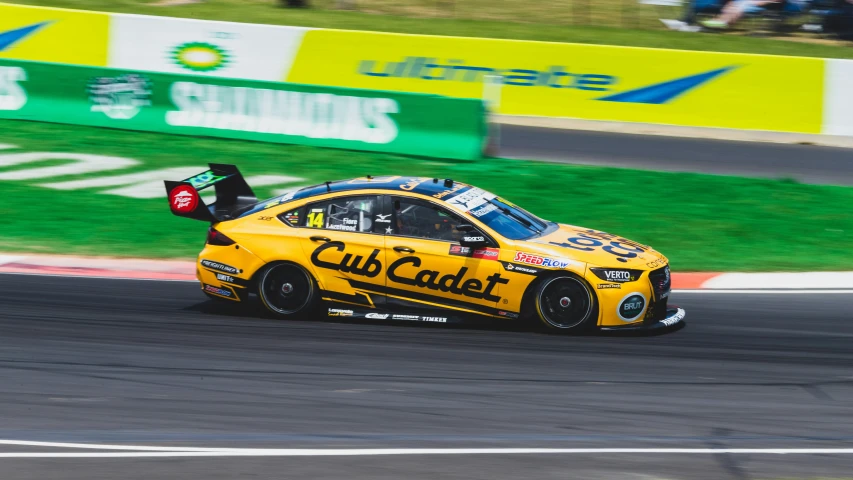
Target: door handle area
<point x="404" y="249"/>
<point x="317" y="238"/>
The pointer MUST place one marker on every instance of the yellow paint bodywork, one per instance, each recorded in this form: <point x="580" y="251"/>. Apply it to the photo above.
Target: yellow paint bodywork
<point x="262" y="238"/>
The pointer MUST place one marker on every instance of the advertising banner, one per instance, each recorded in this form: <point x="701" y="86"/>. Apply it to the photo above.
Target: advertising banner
<point x="595" y="82"/>
<point x="379" y="121"/>
<point x="53" y="35"/>
<point x="222" y="49"/>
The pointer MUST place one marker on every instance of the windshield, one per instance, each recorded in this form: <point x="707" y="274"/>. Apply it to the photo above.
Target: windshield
<point x="508" y="219"/>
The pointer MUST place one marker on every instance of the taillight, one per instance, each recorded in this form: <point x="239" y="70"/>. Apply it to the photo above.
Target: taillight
<point x="215" y="237"/>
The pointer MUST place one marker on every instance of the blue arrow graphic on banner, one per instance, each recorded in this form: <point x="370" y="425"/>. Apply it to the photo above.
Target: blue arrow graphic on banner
<point x="7" y="39"/>
<point x="666" y="91"/>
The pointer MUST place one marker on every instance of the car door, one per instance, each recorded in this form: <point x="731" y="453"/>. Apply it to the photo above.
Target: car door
<point x="428" y="268"/>
<point x="346" y="249"/>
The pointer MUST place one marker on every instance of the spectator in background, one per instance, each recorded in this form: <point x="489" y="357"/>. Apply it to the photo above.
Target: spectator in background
<point x="735" y="10"/>
<point x="691" y="9"/>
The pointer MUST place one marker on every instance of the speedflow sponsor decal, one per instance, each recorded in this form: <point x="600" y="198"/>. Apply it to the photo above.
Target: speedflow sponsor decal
<point x="540" y="261"/>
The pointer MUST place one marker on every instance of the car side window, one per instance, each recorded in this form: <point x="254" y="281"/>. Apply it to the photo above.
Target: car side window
<point x="415" y="218"/>
<point x="349" y="214"/>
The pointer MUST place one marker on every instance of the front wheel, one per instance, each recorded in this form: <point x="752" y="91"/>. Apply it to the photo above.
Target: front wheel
<point x="565" y="303"/>
<point x="287" y="290"/>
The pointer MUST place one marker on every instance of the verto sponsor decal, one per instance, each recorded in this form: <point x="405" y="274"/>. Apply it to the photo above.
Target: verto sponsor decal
<point x="12" y="94"/>
<point x="620" y="275"/>
<point x="279" y="112"/>
<point x="219" y="266"/>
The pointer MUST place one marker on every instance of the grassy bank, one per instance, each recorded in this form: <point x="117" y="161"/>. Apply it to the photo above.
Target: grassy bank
<point x="701" y="222"/>
<point x="612" y="22"/>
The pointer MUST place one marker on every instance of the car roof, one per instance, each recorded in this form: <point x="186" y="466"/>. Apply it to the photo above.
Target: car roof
<point x="433" y="187"/>
<point x="420" y="185"/>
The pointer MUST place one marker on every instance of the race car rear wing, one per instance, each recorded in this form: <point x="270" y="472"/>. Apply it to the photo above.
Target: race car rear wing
<point x="232" y="194"/>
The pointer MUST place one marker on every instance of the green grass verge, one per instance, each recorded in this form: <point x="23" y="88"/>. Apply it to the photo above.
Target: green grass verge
<point x="545" y="21"/>
<point x="701" y="222"/>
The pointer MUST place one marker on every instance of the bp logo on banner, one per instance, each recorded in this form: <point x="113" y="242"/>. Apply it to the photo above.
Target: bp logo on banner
<point x="200" y="56"/>
<point x="221" y="49"/>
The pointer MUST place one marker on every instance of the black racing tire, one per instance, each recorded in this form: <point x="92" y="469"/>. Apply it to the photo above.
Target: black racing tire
<point x="564" y="303"/>
<point x="288" y="291"/>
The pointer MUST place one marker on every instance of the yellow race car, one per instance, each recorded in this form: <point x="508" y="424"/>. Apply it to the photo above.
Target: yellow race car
<point x="418" y="250"/>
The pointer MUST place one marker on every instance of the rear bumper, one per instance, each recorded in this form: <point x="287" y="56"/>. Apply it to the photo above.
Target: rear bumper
<point x="673" y="320"/>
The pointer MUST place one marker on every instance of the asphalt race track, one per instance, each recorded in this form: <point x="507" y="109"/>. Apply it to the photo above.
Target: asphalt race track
<point x="805" y="163"/>
<point x="156" y="364"/>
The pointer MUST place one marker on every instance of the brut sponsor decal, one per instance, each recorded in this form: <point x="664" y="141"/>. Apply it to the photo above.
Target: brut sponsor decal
<point x="631" y="307"/>
<point x="12" y="94"/>
<point x="279" y="112"/>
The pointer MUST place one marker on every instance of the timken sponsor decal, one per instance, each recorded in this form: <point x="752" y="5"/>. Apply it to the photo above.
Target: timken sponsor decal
<point x="219" y="266"/>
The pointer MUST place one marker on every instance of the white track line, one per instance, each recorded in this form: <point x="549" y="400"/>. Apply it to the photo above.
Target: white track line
<point x="430" y="451"/>
<point x="142" y="451"/>
<point x="754" y="291"/>
<point x="96" y="446"/>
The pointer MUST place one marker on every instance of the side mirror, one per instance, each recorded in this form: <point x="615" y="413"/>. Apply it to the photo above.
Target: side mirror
<point x="466" y="228"/>
<point x="473" y="238"/>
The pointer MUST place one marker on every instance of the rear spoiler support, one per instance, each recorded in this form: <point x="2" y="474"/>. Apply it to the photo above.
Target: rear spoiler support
<point x="232" y="194"/>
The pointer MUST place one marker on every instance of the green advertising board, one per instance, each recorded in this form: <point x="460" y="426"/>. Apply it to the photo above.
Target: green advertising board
<point x="370" y="120"/>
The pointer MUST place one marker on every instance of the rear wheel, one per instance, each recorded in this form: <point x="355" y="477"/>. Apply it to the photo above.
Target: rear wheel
<point x="287" y="290"/>
<point x="565" y="302"/>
